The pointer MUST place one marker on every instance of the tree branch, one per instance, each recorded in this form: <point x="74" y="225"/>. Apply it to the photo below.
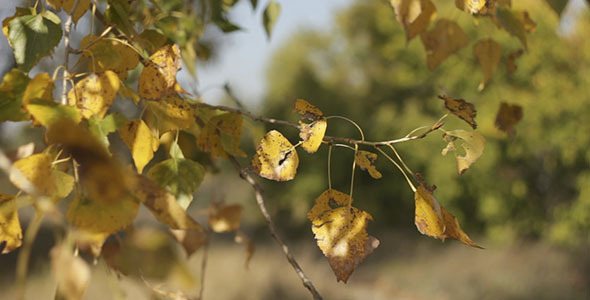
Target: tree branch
<point x="68" y="49"/>
<point x="260" y="200"/>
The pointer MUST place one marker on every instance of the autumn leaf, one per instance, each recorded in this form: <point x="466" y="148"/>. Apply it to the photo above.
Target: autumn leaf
<point x="510" y="21"/>
<point x="488" y="53"/>
<point x="162" y="204"/>
<point x="221" y="135"/>
<point x="308" y="111"/>
<point x="68" y="6"/>
<point x="366" y="160"/>
<point x="460" y="108"/>
<point x="508" y="116"/>
<point x="102" y="217"/>
<point x="138" y="137"/>
<point x="158" y="77"/>
<point x="170" y="113"/>
<point x="224" y="218"/>
<point x="94" y="94"/>
<point x="472" y="6"/>
<point x="275" y="157"/>
<point x="64" y="184"/>
<point x="102" y="127"/>
<point x="445" y="39"/>
<point x="312" y="133"/>
<point x="557" y="5"/>
<point x="528" y="24"/>
<point x="46" y="113"/>
<point x="328" y="200"/>
<point x="90" y="242"/>
<point x="434" y="220"/>
<point x="71" y="272"/>
<point x="414" y="15"/>
<point x="191" y="240"/>
<point x="40" y="87"/>
<point x="472" y="143"/>
<point x="341" y="235"/>
<point x="510" y="61"/>
<point x="108" y="54"/>
<point x="12" y="88"/>
<point x="10" y="230"/>
<point x="37" y="170"/>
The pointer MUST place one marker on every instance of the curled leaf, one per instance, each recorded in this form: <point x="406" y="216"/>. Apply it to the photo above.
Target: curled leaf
<point x="461" y="108"/>
<point x="508" y="116"/>
<point x="434" y="220"/>
<point x="473" y="144"/>
<point x="366" y="160"/>
<point x="275" y="157"/>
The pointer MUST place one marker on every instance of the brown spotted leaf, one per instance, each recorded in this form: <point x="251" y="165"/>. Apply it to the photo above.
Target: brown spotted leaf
<point x="366" y="160"/>
<point x="328" y="200"/>
<point x="460" y="108"/>
<point x="445" y="39"/>
<point x="170" y="113"/>
<point x="158" y="78"/>
<point x="222" y="135"/>
<point x="275" y="157"/>
<point x="312" y="134"/>
<point x="94" y="94"/>
<point x="308" y="110"/>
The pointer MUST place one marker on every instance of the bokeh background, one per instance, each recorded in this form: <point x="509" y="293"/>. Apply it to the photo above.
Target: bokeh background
<point x="527" y="199"/>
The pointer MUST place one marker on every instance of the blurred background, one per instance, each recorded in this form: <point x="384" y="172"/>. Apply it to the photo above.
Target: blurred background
<point x="526" y="200"/>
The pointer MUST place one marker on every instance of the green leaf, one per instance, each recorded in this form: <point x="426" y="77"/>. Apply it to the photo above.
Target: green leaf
<point x="271" y="14"/>
<point x="254" y="4"/>
<point x="33" y="37"/>
<point x="48" y="112"/>
<point x="12" y="88"/>
<point x="102" y="127"/>
<point x="117" y="13"/>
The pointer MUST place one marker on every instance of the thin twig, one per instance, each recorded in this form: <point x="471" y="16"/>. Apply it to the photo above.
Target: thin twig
<point x="260" y="200"/>
<point x="68" y="49"/>
<point x="248" y="114"/>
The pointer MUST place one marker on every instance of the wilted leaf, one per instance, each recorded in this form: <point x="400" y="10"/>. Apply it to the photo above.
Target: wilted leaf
<point x="37" y="170"/>
<point x="308" y="110"/>
<point x="473" y="145"/>
<point x="461" y="108"/>
<point x="510" y="21"/>
<point x="270" y="17"/>
<point x="510" y="64"/>
<point x="94" y="94"/>
<point x="68" y="5"/>
<point x="434" y="220"/>
<point x="275" y="157"/>
<point x="47" y="113"/>
<point x="191" y="240"/>
<point x="10" y="231"/>
<point x="488" y="53"/>
<point x="366" y="160"/>
<point x="225" y="218"/>
<point x="100" y="216"/>
<point x="108" y="54"/>
<point x="71" y="273"/>
<point x="221" y="135"/>
<point x="508" y="115"/>
<point x="33" y="37"/>
<point x="138" y="137"/>
<point x="12" y="89"/>
<point x="162" y="204"/>
<point x="158" y="77"/>
<point x="445" y="39"/>
<point x="341" y="235"/>
<point x="414" y="15"/>
<point x="312" y="134"/>
<point x="171" y="113"/>
<point x="328" y="200"/>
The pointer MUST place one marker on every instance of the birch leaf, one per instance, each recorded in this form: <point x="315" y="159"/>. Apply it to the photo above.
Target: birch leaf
<point x="460" y="108"/>
<point x="138" y="137"/>
<point x="508" y="116"/>
<point x="275" y="158"/>
<point x="472" y="143"/>
<point x="158" y="77"/>
<point x="488" y="53"/>
<point x="414" y="15"/>
<point x="100" y="216"/>
<point x="94" y="94"/>
<point x="10" y="230"/>
<point x="328" y="200"/>
<point x="312" y="134"/>
<point x="12" y="88"/>
<point x="445" y="39"/>
<point x="366" y="160"/>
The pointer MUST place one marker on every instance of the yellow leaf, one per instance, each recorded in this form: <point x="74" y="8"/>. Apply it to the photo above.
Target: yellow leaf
<point x="445" y="39"/>
<point x="472" y="6"/>
<point x="68" y="5"/>
<point x="94" y="94"/>
<point x="312" y="134"/>
<point x="108" y="54"/>
<point x="225" y="218"/>
<point x="171" y="113"/>
<point x="191" y="240"/>
<point x="71" y="273"/>
<point x="138" y="137"/>
<point x="162" y="204"/>
<point x="414" y="15"/>
<point x="307" y="110"/>
<point x="434" y="220"/>
<point x="48" y="112"/>
<point x="64" y="183"/>
<point x="37" y="170"/>
<point x="10" y="231"/>
<point x="328" y="200"/>
<point x="507" y="117"/>
<point x="488" y="53"/>
<point x="461" y="108"/>
<point x="91" y="241"/>
<point x="100" y="217"/>
<point x="158" y="77"/>
<point x="40" y="87"/>
<point x="221" y="135"/>
<point x="473" y="144"/>
<point x="510" y="64"/>
<point x="366" y="160"/>
<point x="275" y="157"/>
<point x="341" y="235"/>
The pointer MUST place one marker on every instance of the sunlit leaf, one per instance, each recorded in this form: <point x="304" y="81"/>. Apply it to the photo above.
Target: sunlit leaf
<point x="100" y="216"/>
<point x="471" y="6"/>
<point x="12" y="89"/>
<point x="312" y="134"/>
<point x="414" y="15"/>
<point x="64" y="184"/>
<point x="275" y="157"/>
<point x="108" y="54"/>
<point x="508" y="116"/>
<point x="40" y="87"/>
<point x="434" y="220"/>
<point x="162" y="204"/>
<point x="70" y="271"/>
<point x="488" y="53"/>
<point x="171" y="113"/>
<point x="68" y="5"/>
<point x="445" y="39"/>
<point x="138" y="137"/>
<point x="328" y="200"/>
<point x="33" y="37"/>
<point x="91" y="242"/>
<point x="224" y="218"/>
<point x="512" y="24"/>
<point x="158" y="77"/>
<point x="366" y="160"/>
<point x="20" y="11"/>
<point x="308" y="111"/>
<point x="472" y="143"/>
<point x="10" y="231"/>
<point x="46" y="112"/>
<point x="190" y="240"/>
<point x="461" y="108"/>
<point x="270" y="16"/>
<point x="94" y="94"/>
<point x="510" y="61"/>
<point x="37" y="170"/>
<point x="341" y="235"/>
